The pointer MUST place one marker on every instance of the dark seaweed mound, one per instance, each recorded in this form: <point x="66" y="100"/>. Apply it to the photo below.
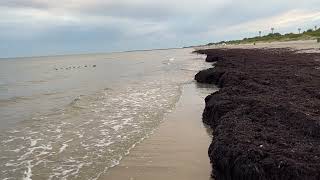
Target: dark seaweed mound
<point x="266" y="116"/>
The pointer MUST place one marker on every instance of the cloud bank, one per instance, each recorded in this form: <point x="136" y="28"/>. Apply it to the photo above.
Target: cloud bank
<point x="43" y="27"/>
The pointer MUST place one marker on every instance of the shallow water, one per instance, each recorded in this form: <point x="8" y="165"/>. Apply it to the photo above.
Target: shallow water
<point x="172" y="152"/>
<point x="73" y="117"/>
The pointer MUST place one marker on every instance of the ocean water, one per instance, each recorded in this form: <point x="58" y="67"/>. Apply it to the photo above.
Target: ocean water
<point x="76" y="116"/>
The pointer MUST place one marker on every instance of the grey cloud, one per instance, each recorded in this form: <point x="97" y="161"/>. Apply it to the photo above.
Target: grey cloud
<point x="24" y="4"/>
<point x="63" y="26"/>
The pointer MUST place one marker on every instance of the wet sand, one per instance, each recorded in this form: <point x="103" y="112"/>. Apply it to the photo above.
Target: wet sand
<point x="176" y="150"/>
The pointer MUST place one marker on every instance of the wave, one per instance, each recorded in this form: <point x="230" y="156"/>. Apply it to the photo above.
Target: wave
<point x="12" y="100"/>
<point x="19" y="99"/>
<point x="97" y="129"/>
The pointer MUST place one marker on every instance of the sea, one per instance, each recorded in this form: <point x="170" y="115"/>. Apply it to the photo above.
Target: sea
<point x="76" y="116"/>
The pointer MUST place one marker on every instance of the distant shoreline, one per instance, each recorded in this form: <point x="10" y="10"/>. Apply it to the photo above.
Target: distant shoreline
<point x="301" y="45"/>
<point x="310" y="34"/>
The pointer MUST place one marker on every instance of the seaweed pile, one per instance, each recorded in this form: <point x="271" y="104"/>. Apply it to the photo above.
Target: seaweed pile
<point x="266" y="116"/>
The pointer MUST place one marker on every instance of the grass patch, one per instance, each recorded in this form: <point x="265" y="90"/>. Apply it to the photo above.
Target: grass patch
<point x="306" y="35"/>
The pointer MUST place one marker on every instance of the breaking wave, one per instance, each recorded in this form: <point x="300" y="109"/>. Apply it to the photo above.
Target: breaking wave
<point x="88" y="136"/>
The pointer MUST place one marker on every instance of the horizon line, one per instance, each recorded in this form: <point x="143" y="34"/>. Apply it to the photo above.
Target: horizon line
<point x="89" y="53"/>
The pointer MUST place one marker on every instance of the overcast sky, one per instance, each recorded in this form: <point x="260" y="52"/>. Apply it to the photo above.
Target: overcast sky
<point x="48" y="27"/>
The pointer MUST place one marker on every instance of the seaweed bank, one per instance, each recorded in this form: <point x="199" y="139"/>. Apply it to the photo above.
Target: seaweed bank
<point x="266" y="115"/>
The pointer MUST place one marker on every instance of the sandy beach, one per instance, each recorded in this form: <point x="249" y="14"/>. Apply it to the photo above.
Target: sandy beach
<point x="90" y="136"/>
<point x="159" y="90"/>
<point x="307" y="46"/>
<point x="176" y="150"/>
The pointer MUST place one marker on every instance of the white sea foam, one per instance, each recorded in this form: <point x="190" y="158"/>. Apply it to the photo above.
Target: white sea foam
<point x="28" y="172"/>
<point x="117" y="127"/>
<point x="104" y="136"/>
<point x="63" y="147"/>
<point x="33" y="142"/>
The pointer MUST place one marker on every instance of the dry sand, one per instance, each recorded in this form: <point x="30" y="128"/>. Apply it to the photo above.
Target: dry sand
<point x="176" y="150"/>
<point x="303" y="46"/>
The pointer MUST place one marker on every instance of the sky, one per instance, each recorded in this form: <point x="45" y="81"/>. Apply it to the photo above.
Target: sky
<point x="55" y="27"/>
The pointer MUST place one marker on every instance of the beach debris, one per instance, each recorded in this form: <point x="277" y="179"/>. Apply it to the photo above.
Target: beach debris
<point x="266" y="91"/>
<point x="213" y="58"/>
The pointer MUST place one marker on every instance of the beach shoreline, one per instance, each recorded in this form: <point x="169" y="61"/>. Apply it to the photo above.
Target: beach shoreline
<point x="251" y="158"/>
<point x="265" y="117"/>
<point x="178" y="147"/>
